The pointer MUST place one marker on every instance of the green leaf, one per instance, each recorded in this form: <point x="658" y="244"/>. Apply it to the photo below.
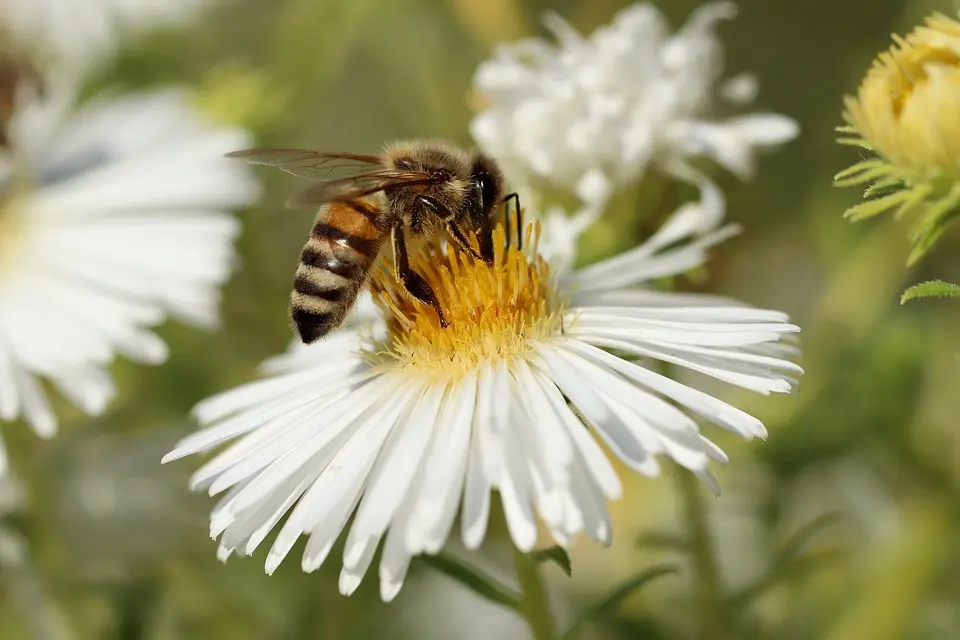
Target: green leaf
<point x="609" y="603"/>
<point x="917" y="195"/>
<point x="922" y="246"/>
<point x="557" y="555"/>
<point x="872" y="208"/>
<point x="861" y="172"/>
<point x="853" y="142"/>
<point x="663" y="540"/>
<point x="787" y="563"/>
<point x="795" y="543"/>
<point x="928" y="229"/>
<point x="845" y="128"/>
<point x="863" y="176"/>
<point x="884" y="188"/>
<point x="474" y="579"/>
<point x="932" y="289"/>
<point x="794" y="569"/>
<point x="852" y="137"/>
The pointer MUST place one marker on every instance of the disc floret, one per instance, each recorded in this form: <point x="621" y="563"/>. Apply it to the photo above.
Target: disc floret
<point x="493" y="310"/>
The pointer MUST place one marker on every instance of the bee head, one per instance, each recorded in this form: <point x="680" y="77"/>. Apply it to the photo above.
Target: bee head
<point x="486" y="188"/>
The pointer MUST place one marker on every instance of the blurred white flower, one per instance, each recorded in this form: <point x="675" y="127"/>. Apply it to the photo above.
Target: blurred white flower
<point x="595" y="113"/>
<point x="77" y="33"/>
<point x="111" y="218"/>
<point x="399" y="419"/>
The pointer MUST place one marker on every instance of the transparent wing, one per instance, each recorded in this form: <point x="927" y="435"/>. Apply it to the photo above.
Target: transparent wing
<point x="305" y="163"/>
<point x="358" y="186"/>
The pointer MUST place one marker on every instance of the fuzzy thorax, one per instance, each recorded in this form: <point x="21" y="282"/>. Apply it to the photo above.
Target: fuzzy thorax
<point x="494" y="311"/>
<point x="906" y="108"/>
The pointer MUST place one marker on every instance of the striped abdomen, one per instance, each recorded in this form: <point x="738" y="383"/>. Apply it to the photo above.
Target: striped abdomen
<point x="333" y="267"/>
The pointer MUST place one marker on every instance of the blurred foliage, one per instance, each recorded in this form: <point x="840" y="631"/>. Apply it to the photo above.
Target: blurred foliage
<point x="872" y="435"/>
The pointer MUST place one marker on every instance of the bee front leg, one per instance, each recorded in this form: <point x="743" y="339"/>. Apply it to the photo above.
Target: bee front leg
<point x="455" y="232"/>
<point x="412" y="281"/>
<point x="506" y="218"/>
<point x="461" y="239"/>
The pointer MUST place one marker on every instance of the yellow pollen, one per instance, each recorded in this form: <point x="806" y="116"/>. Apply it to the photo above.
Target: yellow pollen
<point x="493" y="311"/>
<point x="907" y="105"/>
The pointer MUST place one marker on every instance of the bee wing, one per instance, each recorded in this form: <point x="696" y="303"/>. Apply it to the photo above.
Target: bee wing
<point x="358" y="186"/>
<point x="305" y="163"/>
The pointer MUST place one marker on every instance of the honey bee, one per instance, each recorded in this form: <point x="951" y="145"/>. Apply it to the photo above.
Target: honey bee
<point x="423" y="187"/>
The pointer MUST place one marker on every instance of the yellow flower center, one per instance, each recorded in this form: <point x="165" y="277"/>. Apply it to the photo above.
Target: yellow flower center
<point x="907" y="105"/>
<point x="493" y="311"/>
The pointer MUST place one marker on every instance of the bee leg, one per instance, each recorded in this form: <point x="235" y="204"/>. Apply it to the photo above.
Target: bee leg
<point x="455" y="232"/>
<point x="516" y="204"/>
<point x="412" y="281"/>
<point x="485" y="236"/>
<point x="461" y="239"/>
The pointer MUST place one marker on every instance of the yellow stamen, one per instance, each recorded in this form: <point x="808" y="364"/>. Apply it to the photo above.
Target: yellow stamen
<point x="493" y="310"/>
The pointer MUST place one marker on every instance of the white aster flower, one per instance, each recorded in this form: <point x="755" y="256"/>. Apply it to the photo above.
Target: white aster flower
<point x="402" y="421"/>
<point x="112" y="217"/>
<point x="597" y="112"/>
<point x="77" y="33"/>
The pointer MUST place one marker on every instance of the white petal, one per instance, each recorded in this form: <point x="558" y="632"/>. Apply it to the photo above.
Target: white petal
<point x="399" y="462"/>
<point x="515" y="494"/>
<point x="706" y="405"/>
<point x="638" y="265"/>
<point x="594" y="459"/>
<point x="444" y="472"/>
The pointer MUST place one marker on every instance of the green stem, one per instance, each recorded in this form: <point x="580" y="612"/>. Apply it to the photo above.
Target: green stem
<point x="533" y="604"/>
<point x="708" y="589"/>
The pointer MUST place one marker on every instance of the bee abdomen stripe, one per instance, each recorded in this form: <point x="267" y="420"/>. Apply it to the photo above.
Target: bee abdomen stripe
<point x="312" y="324"/>
<point x="313" y="257"/>
<point x="365" y="210"/>
<point x="307" y="286"/>
<point x="365" y="247"/>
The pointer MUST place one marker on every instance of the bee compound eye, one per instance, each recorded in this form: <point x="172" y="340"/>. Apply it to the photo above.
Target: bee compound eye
<point x="484" y="184"/>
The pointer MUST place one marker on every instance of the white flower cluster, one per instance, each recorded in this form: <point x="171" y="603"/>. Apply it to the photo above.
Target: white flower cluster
<point x="594" y="114"/>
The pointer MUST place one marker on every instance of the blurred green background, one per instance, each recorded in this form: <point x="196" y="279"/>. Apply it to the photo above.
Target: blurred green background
<point x="870" y="441"/>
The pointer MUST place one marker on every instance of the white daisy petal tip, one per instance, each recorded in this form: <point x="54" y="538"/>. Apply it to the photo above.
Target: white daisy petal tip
<point x="389" y="589"/>
<point x="220" y="522"/>
<point x="603" y="534"/>
<point x="101" y="179"/>
<point x="473" y="536"/>
<point x="406" y="426"/>
<point x="224" y="553"/>
<point x="349" y="582"/>
<point x="273" y="562"/>
<point x="710" y="481"/>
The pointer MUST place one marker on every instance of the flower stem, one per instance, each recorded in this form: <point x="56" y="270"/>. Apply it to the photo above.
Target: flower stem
<point x="534" y="605"/>
<point x="708" y="589"/>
